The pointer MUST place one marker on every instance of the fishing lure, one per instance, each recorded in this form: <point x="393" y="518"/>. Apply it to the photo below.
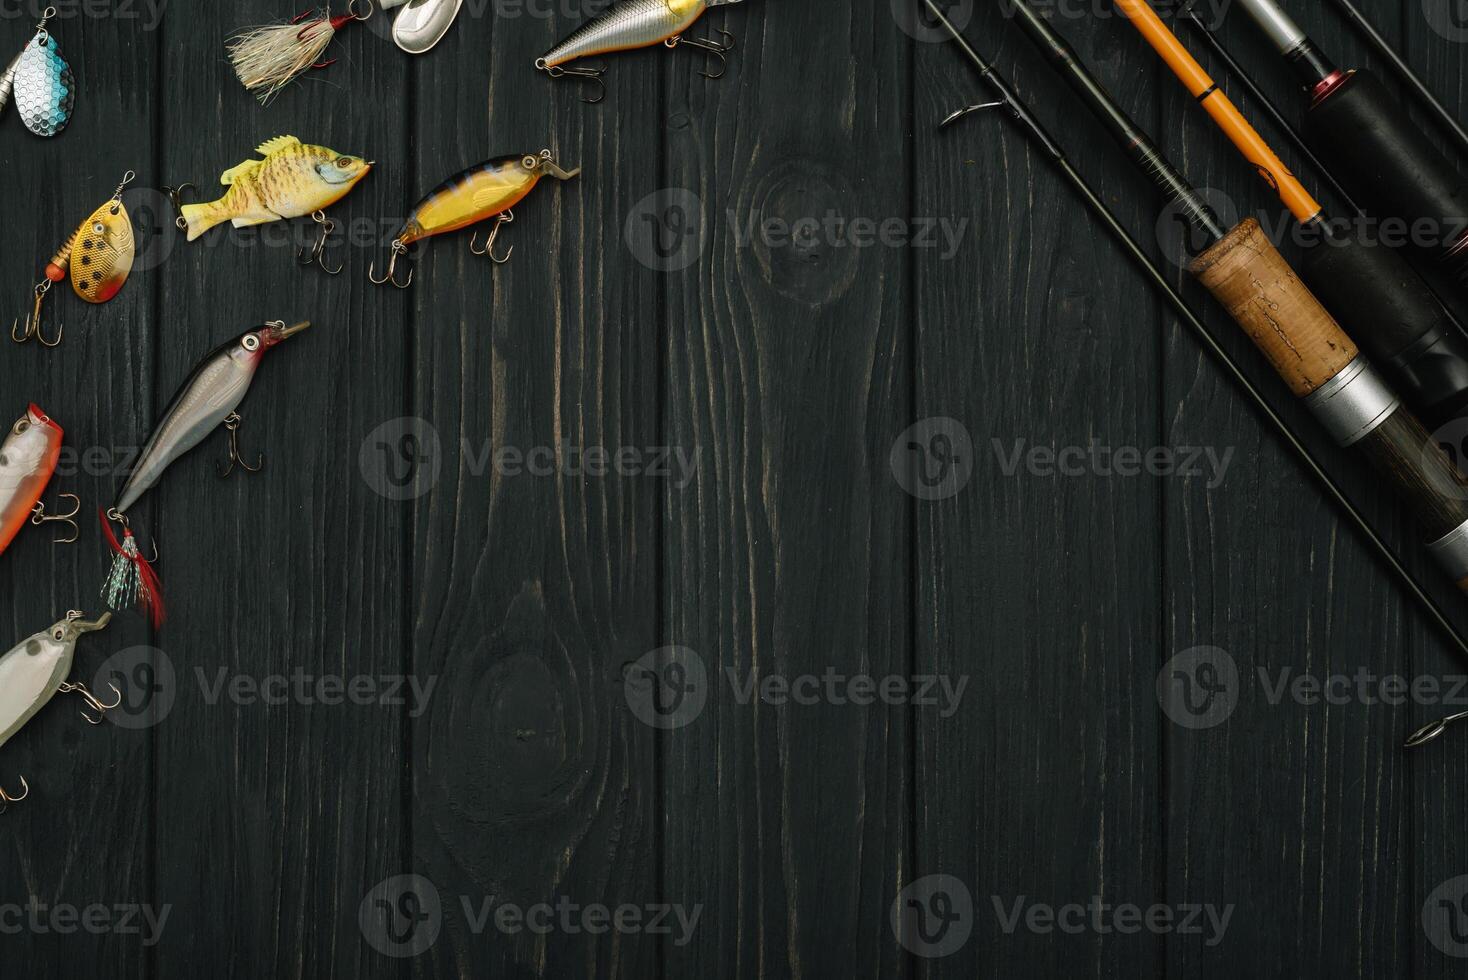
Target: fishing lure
<point x="293" y="180"/>
<point x="631" y="24"/>
<point x="208" y="399"/>
<point x="35" y="670"/>
<point x="421" y="23"/>
<point x="99" y="256"/>
<point x="267" y="59"/>
<point x="486" y="191"/>
<point x="27" y="461"/>
<point x="42" y="82"/>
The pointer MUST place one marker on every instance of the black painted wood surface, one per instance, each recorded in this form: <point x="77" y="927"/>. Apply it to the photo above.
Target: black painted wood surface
<point x="590" y="633"/>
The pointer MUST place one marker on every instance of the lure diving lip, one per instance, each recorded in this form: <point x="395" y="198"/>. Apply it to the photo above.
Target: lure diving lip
<point x="630" y="24"/>
<point x="35" y="670"/>
<point x="42" y="82"/>
<point x="483" y="192"/>
<point x="205" y="401"/>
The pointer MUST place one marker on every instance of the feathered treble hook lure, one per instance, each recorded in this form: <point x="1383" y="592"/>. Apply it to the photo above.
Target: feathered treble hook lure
<point x="267" y="59"/>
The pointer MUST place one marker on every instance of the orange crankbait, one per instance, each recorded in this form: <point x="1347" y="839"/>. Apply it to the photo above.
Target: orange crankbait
<point x="99" y="256"/>
<point x="480" y="193"/>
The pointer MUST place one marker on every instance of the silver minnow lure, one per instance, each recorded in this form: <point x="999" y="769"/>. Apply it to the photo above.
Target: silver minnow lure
<point x="206" y="400"/>
<point x="35" y="670"/>
<point x="629" y="24"/>
<point x="42" y="83"/>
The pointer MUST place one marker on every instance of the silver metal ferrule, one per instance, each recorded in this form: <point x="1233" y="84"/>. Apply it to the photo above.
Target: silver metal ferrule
<point x="1282" y="32"/>
<point x="1451" y="552"/>
<point x="1353" y="402"/>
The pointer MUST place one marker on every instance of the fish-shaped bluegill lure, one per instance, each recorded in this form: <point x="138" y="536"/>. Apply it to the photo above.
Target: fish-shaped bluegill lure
<point x="292" y="180"/>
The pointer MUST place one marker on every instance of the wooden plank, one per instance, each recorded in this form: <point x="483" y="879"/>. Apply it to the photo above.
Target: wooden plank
<point x="275" y="820"/>
<point x="532" y="782"/>
<point x="789" y="376"/>
<point x="1043" y="790"/>
<point x="1289" y="811"/>
<point x="1431" y="38"/>
<point x="75" y="842"/>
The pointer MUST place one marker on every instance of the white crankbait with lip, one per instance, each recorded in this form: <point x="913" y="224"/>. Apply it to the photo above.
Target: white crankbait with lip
<point x="35" y="670"/>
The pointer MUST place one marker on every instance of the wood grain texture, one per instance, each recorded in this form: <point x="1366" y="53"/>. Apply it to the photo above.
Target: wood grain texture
<point x="532" y="781"/>
<point x="1044" y="787"/>
<point x="788" y="374"/>
<point x="1290" y="811"/>
<point x="88" y="840"/>
<point x="788" y="365"/>
<point x="295" y="569"/>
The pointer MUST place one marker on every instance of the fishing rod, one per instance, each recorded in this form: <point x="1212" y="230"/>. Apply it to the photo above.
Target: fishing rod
<point x="1384" y="48"/>
<point x="1374" y="291"/>
<point x="1390" y="165"/>
<point x="1335" y="398"/>
<point x="1189" y="12"/>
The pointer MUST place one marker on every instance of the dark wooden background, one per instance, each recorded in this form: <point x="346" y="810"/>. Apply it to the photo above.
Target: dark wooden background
<point x="788" y="369"/>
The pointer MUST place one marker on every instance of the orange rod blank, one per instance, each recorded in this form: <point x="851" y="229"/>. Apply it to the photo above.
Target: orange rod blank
<point x="1224" y="113"/>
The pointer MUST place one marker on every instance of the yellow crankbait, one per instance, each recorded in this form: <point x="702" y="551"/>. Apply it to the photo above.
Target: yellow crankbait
<point x="99" y="255"/>
<point x="486" y="191"/>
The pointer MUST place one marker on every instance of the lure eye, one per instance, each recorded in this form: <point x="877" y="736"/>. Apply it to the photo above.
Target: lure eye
<point x="58" y="634"/>
<point x="99" y="227"/>
<point x="251" y="342"/>
<point x="22" y="426"/>
<point x="344" y="163"/>
<point x="530" y="163"/>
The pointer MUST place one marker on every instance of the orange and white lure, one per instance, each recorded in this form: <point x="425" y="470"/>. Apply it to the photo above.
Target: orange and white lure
<point x="630" y="24"/>
<point x="98" y="256"/>
<point x="27" y="460"/>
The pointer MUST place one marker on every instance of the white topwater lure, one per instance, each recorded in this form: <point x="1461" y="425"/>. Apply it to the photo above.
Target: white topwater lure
<point x="42" y="82"/>
<point x="35" y="670"/>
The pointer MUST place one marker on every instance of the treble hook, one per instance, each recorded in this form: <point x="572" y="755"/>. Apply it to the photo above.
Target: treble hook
<point x="316" y="257"/>
<point x="39" y="517"/>
<point x="398" y="251"/>
<point x="582" y="72"/>
<point x="232" y="423"/>
<point x="175" y="197"/>
<point x="32" y="329"/>
<point x="7" y="799"/>
<point x="488" y="249"/>
<point x="67" y="687"/>
<point x="710" y="47"/>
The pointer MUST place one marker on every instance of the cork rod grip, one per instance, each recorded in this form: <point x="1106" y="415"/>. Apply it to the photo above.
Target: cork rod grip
<point x="1246" y="273"/>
